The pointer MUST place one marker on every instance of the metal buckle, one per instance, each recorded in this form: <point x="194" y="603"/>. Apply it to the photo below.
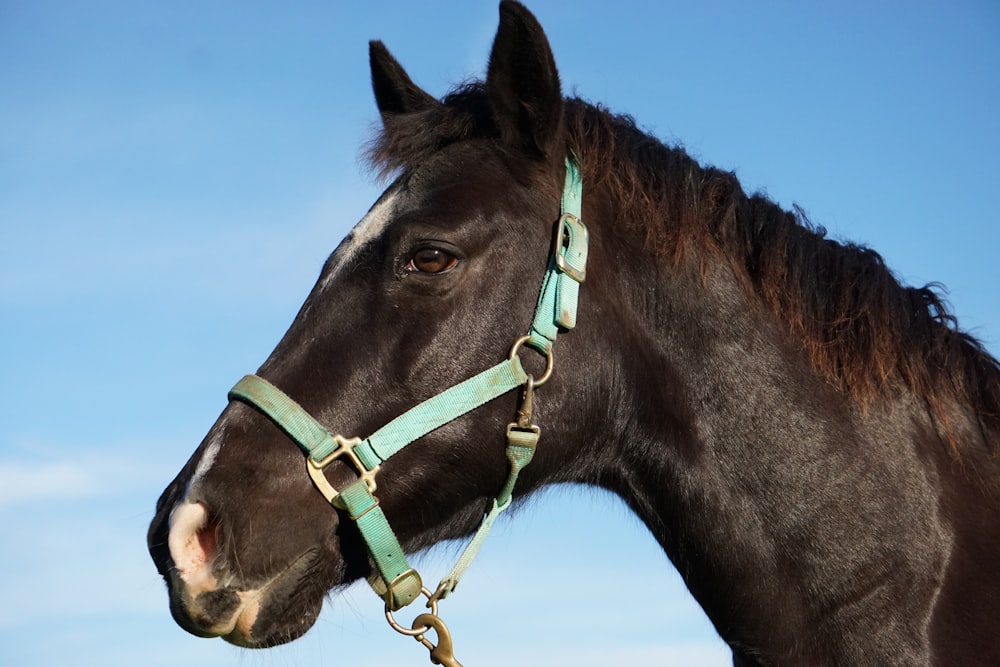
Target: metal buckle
<point x="410" y="584"/>
<point x="579" y="275"/>
<point x="523" y="436"/>
<point x="346" y="448"/>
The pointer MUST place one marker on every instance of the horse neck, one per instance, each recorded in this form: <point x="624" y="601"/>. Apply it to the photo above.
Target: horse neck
<point x="737" y="453"/>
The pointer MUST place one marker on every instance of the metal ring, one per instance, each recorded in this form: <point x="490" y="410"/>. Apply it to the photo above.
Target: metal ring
<point x="413" y="632"/>
<point x="549" y="359"/>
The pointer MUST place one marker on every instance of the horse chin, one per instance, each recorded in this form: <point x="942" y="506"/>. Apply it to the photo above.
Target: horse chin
<point x="279" y="611"/>
<point x="277" y="617"/>
<point x="265" y="623"/>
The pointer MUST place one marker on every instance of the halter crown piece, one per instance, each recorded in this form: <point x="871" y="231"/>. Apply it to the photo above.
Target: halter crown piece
<point x="396" y="582"/>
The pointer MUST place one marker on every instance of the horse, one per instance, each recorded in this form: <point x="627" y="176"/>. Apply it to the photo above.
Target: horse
<point x="814" y="445"/>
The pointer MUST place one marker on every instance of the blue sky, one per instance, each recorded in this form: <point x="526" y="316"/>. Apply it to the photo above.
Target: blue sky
<point x="173" y="175"/>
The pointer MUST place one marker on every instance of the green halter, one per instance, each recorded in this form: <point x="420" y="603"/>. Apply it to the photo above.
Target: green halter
<point x="397" y="582"/>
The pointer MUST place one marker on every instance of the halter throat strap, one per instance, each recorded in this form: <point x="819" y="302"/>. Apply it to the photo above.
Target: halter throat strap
<point x="555" y="311"/>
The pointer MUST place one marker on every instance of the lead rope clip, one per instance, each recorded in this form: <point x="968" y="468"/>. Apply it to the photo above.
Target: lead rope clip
<point x="442" y="653"/>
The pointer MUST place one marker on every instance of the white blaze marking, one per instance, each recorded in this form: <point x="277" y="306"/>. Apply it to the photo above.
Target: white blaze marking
<point x="186" y="519"/>
<point x="205" y="464"/>
<point x="368" y="228"/>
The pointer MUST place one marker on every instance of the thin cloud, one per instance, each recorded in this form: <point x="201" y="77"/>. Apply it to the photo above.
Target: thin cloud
<point x="90" y="475"/>
<point x="23" y="483"/>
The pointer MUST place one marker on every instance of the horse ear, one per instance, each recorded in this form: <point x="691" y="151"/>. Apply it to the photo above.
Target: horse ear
<point x="523" y="82"/>
<point x="395" y="92"/>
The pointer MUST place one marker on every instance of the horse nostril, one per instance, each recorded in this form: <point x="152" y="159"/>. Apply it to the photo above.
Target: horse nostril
<point x="207" y="536"/>
<point x="192" y="543"/>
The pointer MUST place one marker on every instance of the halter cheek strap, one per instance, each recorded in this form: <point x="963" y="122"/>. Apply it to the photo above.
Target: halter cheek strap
<point x="557" y="302"/>
<point x="397" y="583"/>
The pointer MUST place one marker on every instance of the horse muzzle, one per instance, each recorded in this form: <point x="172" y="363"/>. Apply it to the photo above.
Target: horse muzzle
<point x="207" y="598"/>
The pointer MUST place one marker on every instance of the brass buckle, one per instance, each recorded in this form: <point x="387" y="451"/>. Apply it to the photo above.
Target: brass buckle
<point x="409" y="582"/>
<point x="579" y="275"/>
<point x="527" y="435"/>
<point x="346" y="448"/>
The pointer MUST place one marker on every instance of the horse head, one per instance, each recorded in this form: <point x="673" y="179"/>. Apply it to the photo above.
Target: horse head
<point x="436" y="283"/>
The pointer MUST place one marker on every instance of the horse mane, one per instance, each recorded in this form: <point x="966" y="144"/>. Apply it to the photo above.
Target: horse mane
<point x="868" y="334"/>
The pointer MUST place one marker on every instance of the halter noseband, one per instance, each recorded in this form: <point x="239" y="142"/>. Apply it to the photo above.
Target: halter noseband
<point x="397" y="583"/>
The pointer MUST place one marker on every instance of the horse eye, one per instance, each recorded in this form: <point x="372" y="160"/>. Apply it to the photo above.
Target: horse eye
<point x="431" y="260"/>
